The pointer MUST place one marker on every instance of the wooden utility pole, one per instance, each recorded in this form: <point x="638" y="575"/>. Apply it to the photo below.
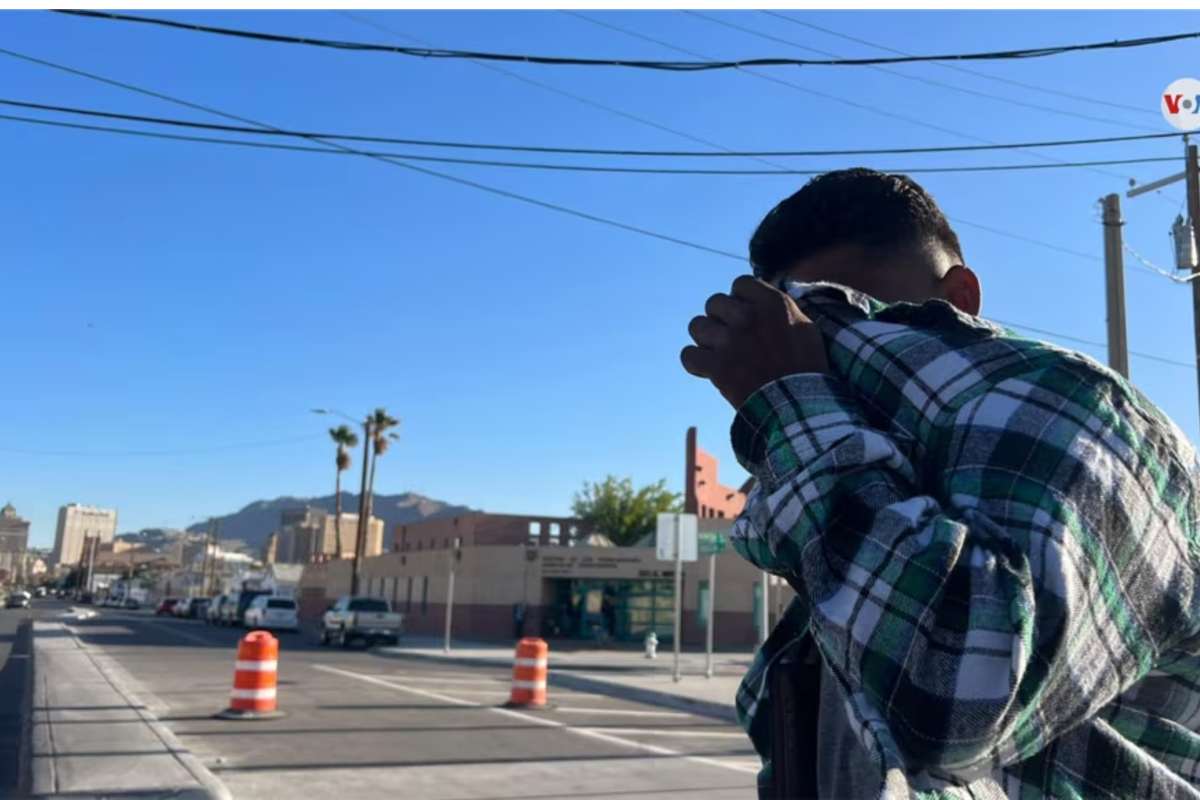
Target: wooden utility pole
<point x="1192" y="179"/>
<point x="1114" y="274"/>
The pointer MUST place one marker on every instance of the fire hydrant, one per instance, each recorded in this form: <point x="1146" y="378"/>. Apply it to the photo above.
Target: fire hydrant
<point x="651" y="645"/>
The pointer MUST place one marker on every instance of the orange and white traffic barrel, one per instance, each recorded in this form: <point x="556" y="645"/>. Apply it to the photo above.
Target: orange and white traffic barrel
<point x="530" y="669"/>
<point x="254" y="678"/>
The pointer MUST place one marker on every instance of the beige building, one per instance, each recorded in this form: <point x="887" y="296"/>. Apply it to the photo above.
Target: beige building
<point x="14" y="536"/>
<point x="306" y="535"/>
<point x="77" y="522"/>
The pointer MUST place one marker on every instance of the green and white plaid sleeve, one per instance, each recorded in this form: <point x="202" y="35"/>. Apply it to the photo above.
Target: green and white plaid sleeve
<point x="992" y="538"/>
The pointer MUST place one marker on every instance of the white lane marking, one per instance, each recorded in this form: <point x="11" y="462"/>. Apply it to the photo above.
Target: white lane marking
<point x="674" y="732"/>
<point x="591" y="734"/>
<point x="256" y="666"/>
<point x="484" y="681"/>
<point x="254" y="694"/>
<point x="627" y="712"/>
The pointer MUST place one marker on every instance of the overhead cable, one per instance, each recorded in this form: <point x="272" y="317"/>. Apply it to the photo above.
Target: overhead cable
<point x="667" y="66"/>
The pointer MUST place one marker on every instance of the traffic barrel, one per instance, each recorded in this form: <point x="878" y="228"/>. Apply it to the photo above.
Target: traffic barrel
<point x="254" y="674"/>
<point x="530" y="668"/>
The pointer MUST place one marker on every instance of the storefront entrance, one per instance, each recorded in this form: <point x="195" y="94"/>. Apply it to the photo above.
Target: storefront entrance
<point x="611" y="610"/>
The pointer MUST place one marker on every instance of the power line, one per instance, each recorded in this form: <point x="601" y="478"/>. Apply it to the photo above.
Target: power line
<point x="1148" y="356"/>
<point x="685" y="135"/>
<point x="501" y="192"/>
<point x="593" y="168"/>
<point x="927" y="81"/>
<point x="668" y="66"/>
<point x="868" y="108"/>
<point x="964" y="70"/>
<point x="599" y="151"/>
<point x="387" y="160"/>
<point x="183" y="452"/>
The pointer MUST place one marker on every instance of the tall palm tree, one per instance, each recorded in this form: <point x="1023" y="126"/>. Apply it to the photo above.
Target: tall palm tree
<point x="345" y="438"/>
<point x="381" y="423"/>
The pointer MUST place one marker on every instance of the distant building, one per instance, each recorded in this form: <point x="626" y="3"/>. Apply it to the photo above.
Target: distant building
<point x="307" y="535"/>
<point x="541" y="575"/>
<point x="14" y="536"/>
<point x="77" y="522"/>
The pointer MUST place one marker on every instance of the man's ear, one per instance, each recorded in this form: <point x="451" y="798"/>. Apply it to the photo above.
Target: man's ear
<point x="960" y="286"/>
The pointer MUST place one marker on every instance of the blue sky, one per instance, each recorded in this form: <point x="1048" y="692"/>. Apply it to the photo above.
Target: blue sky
<point x="163" y="296"/>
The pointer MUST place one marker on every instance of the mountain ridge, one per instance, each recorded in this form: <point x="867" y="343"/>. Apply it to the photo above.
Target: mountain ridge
<point x="255" y="521"/>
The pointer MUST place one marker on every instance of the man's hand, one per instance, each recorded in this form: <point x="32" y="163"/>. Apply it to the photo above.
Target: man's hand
<point x="750" y="337"/>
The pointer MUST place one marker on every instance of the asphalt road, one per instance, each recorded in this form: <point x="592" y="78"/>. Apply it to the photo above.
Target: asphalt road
<point x="364" y="724"/>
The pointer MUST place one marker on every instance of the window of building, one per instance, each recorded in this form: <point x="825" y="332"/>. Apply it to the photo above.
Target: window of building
<point x="424" y="594"/>
<point x="535" y="533"/>
<point x="572" y="535"/>
<point x="555" y="533"/>
<point x="703" y="603"/>
<point x="408" y="595"/>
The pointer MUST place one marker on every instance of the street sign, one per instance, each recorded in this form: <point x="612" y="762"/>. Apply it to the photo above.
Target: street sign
<point x="665" y="537"/>
<point x="711" y="543"/>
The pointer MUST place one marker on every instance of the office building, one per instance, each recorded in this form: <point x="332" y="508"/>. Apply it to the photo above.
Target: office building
<point x="75" y="524"/>
<point x="14" y="536"/>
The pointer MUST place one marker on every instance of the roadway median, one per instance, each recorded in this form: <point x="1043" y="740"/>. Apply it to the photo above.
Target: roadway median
<point x="92" y="737"/>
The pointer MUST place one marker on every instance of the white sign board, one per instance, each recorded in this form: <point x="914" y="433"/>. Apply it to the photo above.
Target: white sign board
<point x="665" y="540"/>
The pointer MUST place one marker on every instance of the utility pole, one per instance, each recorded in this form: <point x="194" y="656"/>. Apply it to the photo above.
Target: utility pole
<point x="361" y="533"/>
<point x="1114" y="274"/>
<point x="712" y="610"/>
<point x="1192" y="178"/>
<point x="207" y="556"/>
<point x="450" y="592"/>
<point x="675" y="675"/>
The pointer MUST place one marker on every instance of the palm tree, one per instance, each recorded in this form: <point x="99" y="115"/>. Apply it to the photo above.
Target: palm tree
<point x="381" y="422"/>
<point x="345" y="438"/>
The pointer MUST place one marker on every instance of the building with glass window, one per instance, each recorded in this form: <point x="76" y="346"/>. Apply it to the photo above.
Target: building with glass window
<point x="549" y="576"/>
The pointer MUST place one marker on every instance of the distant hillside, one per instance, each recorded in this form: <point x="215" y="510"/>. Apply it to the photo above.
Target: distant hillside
<point x="254" y="523"/>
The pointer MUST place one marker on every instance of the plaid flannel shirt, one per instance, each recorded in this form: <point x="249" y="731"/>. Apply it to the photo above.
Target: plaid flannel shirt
<point x="994" y="545"/>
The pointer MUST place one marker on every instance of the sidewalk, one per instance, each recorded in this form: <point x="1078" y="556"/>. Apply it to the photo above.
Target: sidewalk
<point x="92" y="738"/>
<point x="626" y="674"/>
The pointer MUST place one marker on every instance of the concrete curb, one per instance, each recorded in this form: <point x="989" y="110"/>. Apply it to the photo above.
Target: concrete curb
<point x="140" y="758"/>
<point x="563" y="677"/>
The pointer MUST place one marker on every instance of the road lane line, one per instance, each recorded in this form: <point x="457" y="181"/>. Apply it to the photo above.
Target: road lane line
<point x="673" y="732"/>
<point x="627" y="712"/>
<point x="550" y="723"/>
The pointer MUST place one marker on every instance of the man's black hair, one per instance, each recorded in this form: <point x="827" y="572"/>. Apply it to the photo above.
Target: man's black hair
<point x="858" y="206"/>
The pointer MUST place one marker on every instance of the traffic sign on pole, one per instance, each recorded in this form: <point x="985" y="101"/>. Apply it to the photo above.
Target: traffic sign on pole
<point x="665" y="536"/>
<point x="711" y="543"/>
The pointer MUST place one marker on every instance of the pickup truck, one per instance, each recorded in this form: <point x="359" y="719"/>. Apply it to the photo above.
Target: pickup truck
<point x="365" y="619"/>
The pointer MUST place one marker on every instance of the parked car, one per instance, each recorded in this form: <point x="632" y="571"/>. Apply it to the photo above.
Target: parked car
<point x="131" y="603"/>
<point x="213" y="613"/>
<point x="39" y="591"/>
<point x="234" y="611"/>
<point x="182" y="607"/>
<point x="366" y="619"/>
<point x="272" y="613"/>
<point x="166" y="607"/>
<point x="198" y="609"/>
<point x="17" y="599"/>
<point x="229" y="610"/>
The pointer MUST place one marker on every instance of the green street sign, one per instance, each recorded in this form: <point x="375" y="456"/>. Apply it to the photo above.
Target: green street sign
<point x="711" y="542"/>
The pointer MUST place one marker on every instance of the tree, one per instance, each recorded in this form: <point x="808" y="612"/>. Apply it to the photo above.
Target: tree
<point x="345" y="438"/>
<point x="623" y="514"/>
<point x="377" y="427"/>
